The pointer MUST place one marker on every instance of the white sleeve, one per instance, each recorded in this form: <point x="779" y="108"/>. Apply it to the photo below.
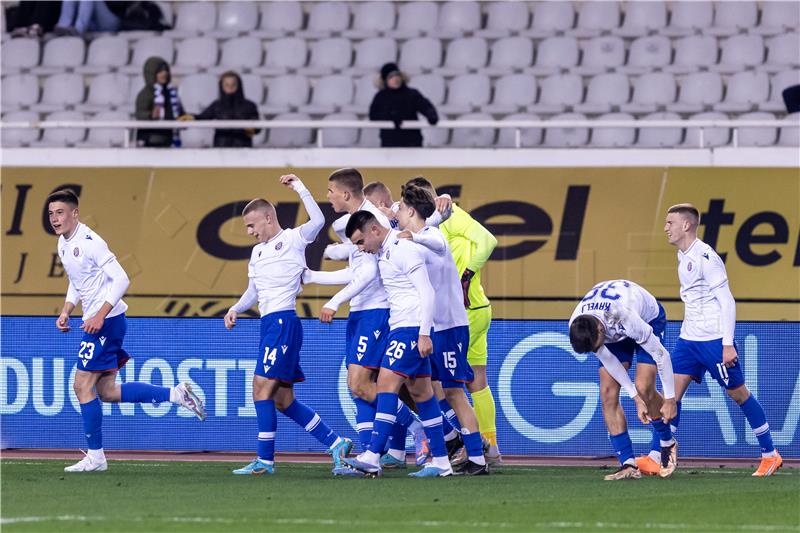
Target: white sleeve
<point x="714" y="270"/>
<point x="363" y="273"/>
<point x="248" y="299"/>
<point x="616" y="370"/>
<point x="119" y="281"/>
<point x="310" y="229"/>
<point x="338" y="252"/>
<point x="336" y="277"/>
<point x="414" y="268"/>
<point x="432" y="240"/>
<point x="663" y="361"/>
<point x="72" y="294"/>
<point x="727" y="306"/>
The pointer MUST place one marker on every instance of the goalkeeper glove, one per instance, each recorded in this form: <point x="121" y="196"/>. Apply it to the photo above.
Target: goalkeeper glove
<point x="466" y="278"/>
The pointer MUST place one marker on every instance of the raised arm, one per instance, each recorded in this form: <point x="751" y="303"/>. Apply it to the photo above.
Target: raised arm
<point x="310" y="229"/>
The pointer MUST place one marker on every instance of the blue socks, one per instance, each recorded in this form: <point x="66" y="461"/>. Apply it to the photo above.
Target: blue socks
<point x="450" y="416"/>
<point x="405" y="416"/>
<point x="385" y="418"/>
<point x="431" y="416"/>
<point x="758" y="421"/>
<point x="623" y="447"/>
<point x="662" y="433"/>
<point x="92" y="415"/>
<point x="267" y="424"/>
<point x="365" y="415"/>
<point x="305" y="417"/>
<point x="138" y="392"/>
<point x="474" y="446"/>
<point x="397" y="438"/>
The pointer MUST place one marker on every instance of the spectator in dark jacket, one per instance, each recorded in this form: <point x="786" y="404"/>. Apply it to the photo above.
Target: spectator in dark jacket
<point x="32" y="19"/>
<point x="231" y="105"/>
<point x="158" y="100"/>
<point x="397" y="102"/>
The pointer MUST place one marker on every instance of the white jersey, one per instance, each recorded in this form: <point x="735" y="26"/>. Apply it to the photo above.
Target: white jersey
<point x="397" y="258"/>
<point x="623" y="307"/>
<point x="443" y="273"/>
<point x="701" y="271"/>
<point x="276" y="267"/>
<point x="84" y="255"/>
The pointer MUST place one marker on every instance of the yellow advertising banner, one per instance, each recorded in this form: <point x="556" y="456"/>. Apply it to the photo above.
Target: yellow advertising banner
<point x="179" y="235"/>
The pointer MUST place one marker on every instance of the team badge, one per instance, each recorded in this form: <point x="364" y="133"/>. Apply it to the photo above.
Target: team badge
<point x="689" y="267"/>
<point x="279" y="246"/>
<point x="387" y="255"/>
<point x="76" y="252"/>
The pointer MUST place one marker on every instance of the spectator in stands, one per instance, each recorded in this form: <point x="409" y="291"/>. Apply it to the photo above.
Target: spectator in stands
<point x="158" y="100"/>
<point x="791" y="97"/>
<point x="32" y="19"/>
<point x="78" y="17"/>
<point x="231" y="105"/>
<point x="397" y="102"/>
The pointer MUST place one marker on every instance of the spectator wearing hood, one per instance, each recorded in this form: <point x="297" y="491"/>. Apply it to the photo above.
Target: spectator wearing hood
<point x="158" y="100"/>
<point x="397" y="102"/>
<point x="231" y="105"/>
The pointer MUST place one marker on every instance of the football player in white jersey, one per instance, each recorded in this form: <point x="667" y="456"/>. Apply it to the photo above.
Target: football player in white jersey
<point x="368" y="321"/>
<point x="707" y="331"/>
<point x="98" y="280"/>
<point x="380" y="196"/>
<point x="617" y="320"/>
<point x="276" y="266"/>
<point x="411" y="307"/>
<point x="451" y="371"/>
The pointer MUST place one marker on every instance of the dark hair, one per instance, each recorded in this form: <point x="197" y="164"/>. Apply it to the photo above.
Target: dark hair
<point x="419" y="181"/>
<point x="358" y="221"/>
<point x="583" y="334"/>
<point x="684" y="210"/>
<point x="350" y="179"/>
<point x="68" y="196"/>
<point x="418" y="198"/>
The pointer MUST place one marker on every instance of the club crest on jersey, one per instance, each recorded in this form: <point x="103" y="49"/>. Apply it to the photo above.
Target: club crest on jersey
<point x="76" y="251"/>
<point x="689" y="266"/>
<point x="279" y="246"/>
<point x="387" y="255"/>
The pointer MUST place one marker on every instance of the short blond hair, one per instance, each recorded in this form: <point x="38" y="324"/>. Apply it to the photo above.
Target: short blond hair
<point x="259" y="204"/>
<point x="687" y="211"/>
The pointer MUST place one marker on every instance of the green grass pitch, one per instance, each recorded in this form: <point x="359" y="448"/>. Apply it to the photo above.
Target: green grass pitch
<point x="183" y="496"/>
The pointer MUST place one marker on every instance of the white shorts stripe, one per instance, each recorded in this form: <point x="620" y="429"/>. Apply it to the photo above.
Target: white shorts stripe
<point x="432" y="422"/>
<point x="266" y="435"/>
<point x="314" y="421"/>
<point x="385" y="417"/>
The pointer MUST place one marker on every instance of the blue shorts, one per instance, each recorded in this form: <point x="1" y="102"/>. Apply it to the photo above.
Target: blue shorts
<point x="449" y="359"/>
<point x="625" y="349"/>
<point x="693" y="358"/>
<point x="366" y="337"/>
<point x="279" y="350"/>
<point x="402" y="356"/>
<point x="102" y="351"/>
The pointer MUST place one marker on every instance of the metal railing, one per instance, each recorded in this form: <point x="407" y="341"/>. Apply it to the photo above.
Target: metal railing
<point x="321" y="125"/>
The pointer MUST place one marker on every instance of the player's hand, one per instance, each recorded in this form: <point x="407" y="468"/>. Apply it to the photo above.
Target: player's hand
<point x="641" y="410"/>
<point x="443" y="203"/>
<point x="424" y="345"/>
<point x="326" y="315"/>
<point x="466" y="279"/>
<point x="186" y="118"/>
<point x="729" y="356"/>
<point x="62" y="322"/>
<point x="93" y="325"/>
<point x="669" y="410"/>
<point x="406" y="235"/>
<point x="387" y="211"/>
<point x="230" y="318"/>
<point x="293" y="182"/>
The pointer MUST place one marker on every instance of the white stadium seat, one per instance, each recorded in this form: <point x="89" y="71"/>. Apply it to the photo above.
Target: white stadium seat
<point x="467" y="93"/>
<point x="328" y="56"/>
<point x="510" y="54"/>
<point x="415" y="19"/>
<point x="432" y="87"/>
<point x="106" y="53"/>
<point x="605" y="93"/>
<point x="790" y="136"/>
<point x="371" y="54"/>
<point x="558" y="93"/>
<point x="325" y="19"/>
<point x="660" y="137"/>
<point x="61" y="54"/>
<point x="283" y="55"/>
<point x="473" y="137"/>
<point x="329" y="94"/>
<point x="712" y="137"/>
<point x="365" y="90"/>
<point x="613" y="137"/>
<point x="643" y="17"/>
<point x="58" y="137"/>
<point x="285" y="93"/>
<point x="290" y="137"/>
<point x="458" y="18"/>
<point x="745" y="91"/>
<point x="234" y="18"/>
<point x="436" y="137"/>
<point x="371" y="19"/>
<point x="143" y="49"/>
<point x="12" y="137"/>
<point x="757" y="136"/>
<point x="253" y="87"/>
<point x="778" y="83"/>
<point x="19" y="91"/>
<point x="198" y="91"/>
<point x="420" y="54"/>
<point x="529" y="137"/>
<point x="106" y="91"/>
<point x="106" y="137"/>
<point x="739" y="52"/>
<point x="241" y="54"/>
<point x="783" y="52"/>
<point x="60" y="91"/>
<point x="555" y="54"/>
<point x="195" y="54"/>
<point x="566" y="137"/>
<point x="601" y="54"/>
<point x="550" y="18"/>
<point x="698" y="91"/>
<point x="650" y="92"/>
<point x="732" y="17"/>
<point x="340" y="137"/>
<point x="197" y="138"/>
<point x="504" y="18"/>
<point x="693" y="53"/>
<point x="19" y="55"/>
<point x="512" y="93"/>
<point x="778" y="17"/>
<point x="648" y="54"/>
<point x="595" y="18"/>
<point x="688" y="18"/>
<point x="192" y="18"/>
<point x="279" y="19"/>
<point x="465" y="54"/>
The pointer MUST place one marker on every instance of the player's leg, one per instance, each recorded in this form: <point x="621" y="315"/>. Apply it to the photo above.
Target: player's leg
<point x="617" y="426"/>
<point x="451" y="428"/>
<point x="361" y="381"/>
<point x="475" y="463"/>
<point x="431" y="415"/>
<point x="663" y="456"/>
<point x="92" y="417"/>
<point x="263" y="399"/>
<point x="482" y="399"/>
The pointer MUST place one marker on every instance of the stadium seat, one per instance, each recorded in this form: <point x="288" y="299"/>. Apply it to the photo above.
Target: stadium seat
<point x="106" y="137"/>
<point x="595" y="18"/>
<point x="371" y="19"/>
<point x="529" y="137"/>
<point x="436" y="137"/>
<point x="698" y="91"/>
<point x="510" y="54"/>
<point x="757" y="136"/>
<point x="566" y="137"/>
<point x="504" y="18"/>
<point x="195" y="54"/>
<point x="365" y="90"/>
<point x="328" y="56"/>
<point x="732" y="17"/>
<point x="106" y="92"/>
<point x="778" y="83"/>
<point x="432" y="87"/>
<point x="253" y="87"/>
<point x="744" y="91"/>
<point x="790" y="136"/>
<point x="235" y="18"/>
<point x="279" y="19"/>
<point x="60" y="91"/>
<point x="415" y="19"/>
<point x="290" y="137"/>
<point x="19" y="55"/>
<point x="688" y="18"/>
<point x="58" y="137"/>
<point x="660" y="137"/>
<point x="550" y="18"/>
<point x="600" y="55"/>
<point x="241" y="54"/>
<point x="61" y="55"/>
<point x="19" y="91"/>
<point x="558" y="93"/>
<point x="329" y="94"/>
<point x="712" y="137"/>
<point x="613" y="137"/>
<point x="739" y="52"/>
<point x="512" y="93"/>
<point x="783" y="52"/>
<point x="473" y="137"/>
<point x="371" y="54"/>
<point x="285" y="93"/>
<point x="466" y="93"/>
<point x="160" y="46"/>
<point x="13" y="137"/>
<point x="642" y="17"/>
<point x="106" y="53"/>
<point x="605" y="93"/>
<point x="339" y="137"/>
<point x="197" y="137"/>
<point x="420" y="54"/>
<point x="651" y="91"/>
<point x="325" y="19"/>
<point x="192" y="18"/>
<point x="693" y="53"/>
<point x="458" y="18"/>
<point x="369" y="138"/>
<point x="778" y="17"/>
<point x="554" y="55"/>
<point x="282" y="56"/>
<point x="648" y="54"/>
<point x="464" y="55"/>
<point x="198" y="91"/>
